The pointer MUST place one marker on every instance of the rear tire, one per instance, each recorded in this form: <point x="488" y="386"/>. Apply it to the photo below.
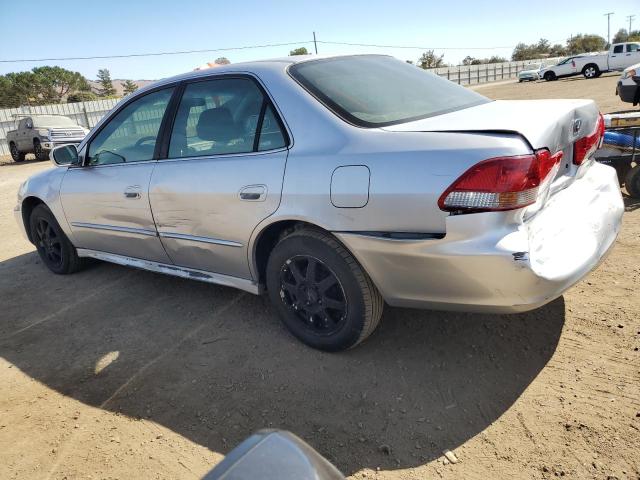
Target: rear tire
<point x="16" y="155"/>
<point x="591" y="71"/>
<point x="550" y="76"/>
<point x="632" y="182"/>
<point x="323" y="296"/>
<point x="54" y="248"/>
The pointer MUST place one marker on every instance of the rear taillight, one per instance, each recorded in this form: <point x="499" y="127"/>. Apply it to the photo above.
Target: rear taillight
<point x="502" y="183"/>
<point x="589" y="144"/>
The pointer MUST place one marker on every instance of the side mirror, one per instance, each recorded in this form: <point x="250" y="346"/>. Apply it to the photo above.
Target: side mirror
<point x="274" y="455"/>
<point x="64" y="155"/>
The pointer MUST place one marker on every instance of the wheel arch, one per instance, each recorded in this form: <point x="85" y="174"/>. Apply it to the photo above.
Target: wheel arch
<point x="28" y="204"/>
<point x="267" y="238"/>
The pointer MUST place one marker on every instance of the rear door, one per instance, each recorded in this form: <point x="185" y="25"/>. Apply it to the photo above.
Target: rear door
<point x="617" y="57"/>
<point x="106" y="200"/>
<point x="222" y="174"/>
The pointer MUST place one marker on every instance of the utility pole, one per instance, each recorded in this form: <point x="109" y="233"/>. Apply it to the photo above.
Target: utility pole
<point x="315" y="44"/>
<point x="608" y="15"/>
<point x="630" y="18"/>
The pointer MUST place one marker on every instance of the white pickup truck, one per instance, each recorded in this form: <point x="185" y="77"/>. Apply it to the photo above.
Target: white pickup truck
<point x="619" y="57"/>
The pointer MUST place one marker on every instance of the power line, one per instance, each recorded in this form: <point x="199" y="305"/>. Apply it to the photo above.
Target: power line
<point x="411" y="46"/>
<point x="156" y="54"/>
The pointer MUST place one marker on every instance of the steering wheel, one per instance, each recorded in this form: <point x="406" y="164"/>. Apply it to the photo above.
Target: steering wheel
<point x="144" y="139"/>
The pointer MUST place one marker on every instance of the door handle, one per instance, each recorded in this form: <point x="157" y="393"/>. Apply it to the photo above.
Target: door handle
<point x="132" y="192"/>
<point x="254" y="193"/>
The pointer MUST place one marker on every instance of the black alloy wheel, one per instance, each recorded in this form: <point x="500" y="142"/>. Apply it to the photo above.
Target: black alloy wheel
<point x="54" y="248"/>
<point x="49" y="243"/>
<point x="321" y="293"/>
<point x="314" y="294"/>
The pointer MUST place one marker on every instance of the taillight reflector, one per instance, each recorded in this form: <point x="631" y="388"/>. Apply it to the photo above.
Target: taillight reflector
<point x="502" y="183"/>
<point x="584" y="146"/>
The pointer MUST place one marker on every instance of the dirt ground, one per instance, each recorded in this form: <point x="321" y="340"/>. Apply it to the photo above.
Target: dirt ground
<point x="120" y="373"/>
<point x="601" y="89"/>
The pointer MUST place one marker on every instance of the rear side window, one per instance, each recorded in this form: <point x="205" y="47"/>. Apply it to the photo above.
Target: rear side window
<point x="618" y="48"/>
<point x="632" y="47"/>
<point x="224" y="116"/>
<point x="375" y="90"/>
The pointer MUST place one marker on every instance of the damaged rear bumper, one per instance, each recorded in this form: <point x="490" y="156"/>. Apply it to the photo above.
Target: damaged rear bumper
<point x="485" y="264"/>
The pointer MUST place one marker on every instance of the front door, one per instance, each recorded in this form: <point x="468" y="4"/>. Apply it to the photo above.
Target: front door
<point x="223" y="174"/>
<point x="106" y="201"/>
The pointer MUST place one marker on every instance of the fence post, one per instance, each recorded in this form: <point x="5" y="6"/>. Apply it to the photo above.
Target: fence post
<point x="469" y="75"/>
<point x="448" y="74"/>
<point x="458" y="74"/>
<point x="86" y="117"/>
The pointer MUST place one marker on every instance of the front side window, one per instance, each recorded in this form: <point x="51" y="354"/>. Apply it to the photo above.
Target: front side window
<point x="223" y="116"/>
<point x="375" y="90"/>
<point x="618" y="48"/>
<point x="130" y="136"/>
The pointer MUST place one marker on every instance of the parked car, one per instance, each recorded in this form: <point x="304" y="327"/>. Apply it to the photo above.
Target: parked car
<point x="530" y="73"/>
<point x="592" y="65"/>
<point x="628" y="88"/>
<point x="39" y="134"/>
<point x="564" y="68"/>
<point x="335" y="185"/>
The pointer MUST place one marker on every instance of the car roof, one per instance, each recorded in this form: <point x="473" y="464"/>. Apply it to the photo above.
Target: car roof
<point x="269" y="64"/>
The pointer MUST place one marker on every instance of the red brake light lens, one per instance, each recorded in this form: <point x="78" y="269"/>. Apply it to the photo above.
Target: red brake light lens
<point x="584" y="146"/>
<point x="503" y="183"/>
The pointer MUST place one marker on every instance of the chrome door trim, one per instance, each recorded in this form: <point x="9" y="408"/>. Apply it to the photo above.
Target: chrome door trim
<point x="174" y="270"/>
<point x="194" y="238"/>
<point x="114" y="228"/>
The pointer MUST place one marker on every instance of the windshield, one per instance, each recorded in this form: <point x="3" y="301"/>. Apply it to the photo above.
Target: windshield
<point x="53" y="121"/>
<point x="376" y="91"/>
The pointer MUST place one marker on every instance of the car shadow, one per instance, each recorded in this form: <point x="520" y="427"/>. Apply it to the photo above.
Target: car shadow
<point x="214" y="364"/>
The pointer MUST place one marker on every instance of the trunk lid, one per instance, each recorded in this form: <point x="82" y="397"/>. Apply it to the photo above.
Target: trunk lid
<point x="552" y="124"/>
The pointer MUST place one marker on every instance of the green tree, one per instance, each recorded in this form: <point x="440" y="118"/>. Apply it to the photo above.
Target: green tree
<point x="129" y="87"/>
<point x="557" y="50"/>
<point x="299" y="51"/>
<point x="81" y="97"/>
<point x="583" y="43"/>
<point x="54" y="83"/>
<point x="222" y="61"/>
<point x="621" y="36"/>
<point x="430" y="60"/>
<point x="634" y="36"/>
<point x="106" y="85"/>
<point x="530" y="52"/>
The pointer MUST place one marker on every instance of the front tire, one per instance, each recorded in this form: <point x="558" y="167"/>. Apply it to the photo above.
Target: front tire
<point x="16" y="155"/>
<point x="54" y="248"/>
<point x="323" y="296"/>
<point x="550" y="76"/>
<point x="39" y="152"/>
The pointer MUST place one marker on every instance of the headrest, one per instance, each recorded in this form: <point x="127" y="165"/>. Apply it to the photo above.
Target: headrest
<point x="216" y="124"/>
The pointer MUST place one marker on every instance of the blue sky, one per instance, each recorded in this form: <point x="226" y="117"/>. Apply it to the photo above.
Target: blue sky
<point x="69" y="28"/>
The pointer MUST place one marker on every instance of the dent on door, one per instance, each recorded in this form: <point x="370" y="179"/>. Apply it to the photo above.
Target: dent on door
<point x="206" y="208"/>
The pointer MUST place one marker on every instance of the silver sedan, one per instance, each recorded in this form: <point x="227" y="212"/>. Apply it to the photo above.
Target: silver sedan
<point x="335" y="185"/>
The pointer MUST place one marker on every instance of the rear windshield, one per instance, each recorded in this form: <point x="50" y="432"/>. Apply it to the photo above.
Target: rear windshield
<point x="376" y="91"/>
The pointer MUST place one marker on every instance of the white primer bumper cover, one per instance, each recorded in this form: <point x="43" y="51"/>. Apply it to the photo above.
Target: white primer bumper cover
<point x="485" y="264"/>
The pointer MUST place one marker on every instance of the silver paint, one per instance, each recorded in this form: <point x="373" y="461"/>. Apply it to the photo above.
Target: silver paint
<point x="204" y="225"/>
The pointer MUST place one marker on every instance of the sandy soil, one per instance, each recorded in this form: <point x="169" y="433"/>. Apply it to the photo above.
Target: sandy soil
<point x="119" y="373"/>
<point x="601" y="89"/>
